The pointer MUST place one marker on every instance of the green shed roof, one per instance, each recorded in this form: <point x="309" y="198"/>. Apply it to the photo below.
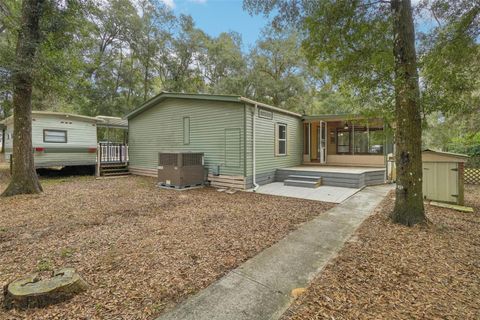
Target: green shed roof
<point x="201" y="96"/>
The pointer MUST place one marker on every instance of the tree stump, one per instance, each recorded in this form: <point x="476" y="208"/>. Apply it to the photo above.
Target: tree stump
<point x="33" y="292"/>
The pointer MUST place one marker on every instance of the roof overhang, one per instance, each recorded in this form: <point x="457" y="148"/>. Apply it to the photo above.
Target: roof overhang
<point x="57" y="114"/>
<point x="336" y="117"/>
<point x="66" y="115"/>
<point x="208" y="97"/>
<point x="112" y="122"/>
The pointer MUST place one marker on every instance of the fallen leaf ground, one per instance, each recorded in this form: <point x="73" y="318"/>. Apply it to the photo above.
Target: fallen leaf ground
<point x="142" y="249"/>
<point x="388" y="271"/>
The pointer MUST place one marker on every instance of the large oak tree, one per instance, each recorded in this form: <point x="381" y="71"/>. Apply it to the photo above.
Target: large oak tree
<point x="24" y="177"/>
<point x="368" y="46"/>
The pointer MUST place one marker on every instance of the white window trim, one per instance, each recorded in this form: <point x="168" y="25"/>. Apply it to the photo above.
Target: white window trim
<point x="45" y="134"/>
<point x="277" y="151"/>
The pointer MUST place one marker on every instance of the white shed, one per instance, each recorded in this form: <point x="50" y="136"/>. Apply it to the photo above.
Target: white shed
<point x="443" y="178"/>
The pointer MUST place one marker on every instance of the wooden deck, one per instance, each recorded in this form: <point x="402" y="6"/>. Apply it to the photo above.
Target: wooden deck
<point x="349" y="177"/>
<point x="112" y="160"/>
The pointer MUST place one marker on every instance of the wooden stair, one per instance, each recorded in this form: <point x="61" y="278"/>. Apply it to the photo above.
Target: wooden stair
<point x="114" y="169"/>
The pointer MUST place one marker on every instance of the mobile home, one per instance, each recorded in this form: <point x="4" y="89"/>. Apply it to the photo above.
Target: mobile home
<point x="59" y="139"/>
<point x="247" y="143"/>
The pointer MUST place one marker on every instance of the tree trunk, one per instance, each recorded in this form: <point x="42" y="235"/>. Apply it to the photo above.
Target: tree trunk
<point x="24" y="177"/>
<point x="409" y="198"/>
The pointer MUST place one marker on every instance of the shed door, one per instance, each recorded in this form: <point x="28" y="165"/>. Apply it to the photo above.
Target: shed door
<point x="440" y="181"/>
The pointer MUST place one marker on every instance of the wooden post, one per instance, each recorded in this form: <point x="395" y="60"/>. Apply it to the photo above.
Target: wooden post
<point x="99" y="160"/>
<point x="121" y="153"/>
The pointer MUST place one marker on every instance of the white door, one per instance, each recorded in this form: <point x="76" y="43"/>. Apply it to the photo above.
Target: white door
<point x="322" y="142"/>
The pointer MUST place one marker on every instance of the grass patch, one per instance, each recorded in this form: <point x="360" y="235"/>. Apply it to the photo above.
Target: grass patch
<point x="44" y="265"/>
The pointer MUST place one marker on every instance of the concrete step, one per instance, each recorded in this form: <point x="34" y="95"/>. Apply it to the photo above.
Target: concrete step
<point x="302" y="183"/>
<point x="305" y="178"/>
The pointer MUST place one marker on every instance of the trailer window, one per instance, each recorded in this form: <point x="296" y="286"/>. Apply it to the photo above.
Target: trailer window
<point x="55" y="136"/>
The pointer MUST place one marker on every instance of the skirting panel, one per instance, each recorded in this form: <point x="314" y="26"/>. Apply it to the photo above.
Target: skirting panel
<point x="224" y="181"/>
<point x="143" y="171"/>
<point x="261" y="179"/>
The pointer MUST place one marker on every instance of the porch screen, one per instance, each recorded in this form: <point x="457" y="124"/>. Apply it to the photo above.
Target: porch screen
<point x="343" y="141"/>
<point x="368" y="141"/>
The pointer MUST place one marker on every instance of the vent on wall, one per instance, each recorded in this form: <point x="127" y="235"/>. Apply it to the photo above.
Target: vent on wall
<point x="267" y="114"/>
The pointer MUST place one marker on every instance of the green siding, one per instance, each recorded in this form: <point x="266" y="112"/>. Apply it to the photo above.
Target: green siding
<point x="267" y="161"/>
<point x="212" y="123"/>
<point x="233" y="148"/>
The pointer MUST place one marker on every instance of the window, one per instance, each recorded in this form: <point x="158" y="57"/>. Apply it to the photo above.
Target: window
<point x="368" y="141"/>
<point x="376" y="141"/>
<point x="360" y="141"/>
<point x="281" y="139"/>
<point x="343" y="141"/>
<point x="306" y="138"/>
<point x="55" y="136"/>
<point x="186" y="130"/>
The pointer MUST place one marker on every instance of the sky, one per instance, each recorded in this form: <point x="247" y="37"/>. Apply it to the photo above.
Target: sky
<point x="216" y="16"/>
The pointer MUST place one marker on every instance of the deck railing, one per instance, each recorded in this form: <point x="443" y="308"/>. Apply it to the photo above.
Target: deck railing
<point x="112" y="153"/>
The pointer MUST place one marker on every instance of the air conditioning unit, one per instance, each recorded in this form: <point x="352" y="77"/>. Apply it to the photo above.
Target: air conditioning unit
<point x="180" y="169"/>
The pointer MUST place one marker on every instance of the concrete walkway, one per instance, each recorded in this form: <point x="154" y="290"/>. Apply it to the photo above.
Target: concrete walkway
<point x="261" y="287"/>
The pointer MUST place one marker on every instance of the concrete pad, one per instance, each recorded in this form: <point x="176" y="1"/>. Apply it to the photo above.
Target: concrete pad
<point x="322" y="193"/>
<point x="261" y="287"/>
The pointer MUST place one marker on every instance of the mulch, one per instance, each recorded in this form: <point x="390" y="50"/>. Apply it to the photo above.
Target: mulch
<point x="4" y="175"/>
<point x="142" y="249"/>
<point x="388" y="271"/>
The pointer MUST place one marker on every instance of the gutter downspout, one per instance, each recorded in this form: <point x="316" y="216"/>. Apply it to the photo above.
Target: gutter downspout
<point x="385" y="151"/>
<point x="254" y="155"/>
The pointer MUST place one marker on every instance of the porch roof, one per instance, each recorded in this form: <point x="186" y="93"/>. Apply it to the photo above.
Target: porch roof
<point x="336" y="117"/>
<point x="112" y="122"/>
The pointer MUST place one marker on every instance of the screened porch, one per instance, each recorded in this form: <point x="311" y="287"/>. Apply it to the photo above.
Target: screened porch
<point x="345" y="141"/>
